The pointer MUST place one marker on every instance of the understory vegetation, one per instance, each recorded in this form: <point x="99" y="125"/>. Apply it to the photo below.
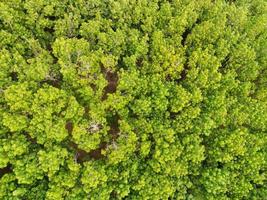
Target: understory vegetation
<point x="133" y="99"/>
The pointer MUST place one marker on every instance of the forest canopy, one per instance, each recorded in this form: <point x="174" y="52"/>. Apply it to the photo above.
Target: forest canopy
<point x="133" y="99"/>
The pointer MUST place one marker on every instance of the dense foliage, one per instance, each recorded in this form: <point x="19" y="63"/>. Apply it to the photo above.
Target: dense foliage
<point x="133" y="99"/>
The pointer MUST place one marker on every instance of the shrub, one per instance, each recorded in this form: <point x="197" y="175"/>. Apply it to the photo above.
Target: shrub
<point x="133" y="99"/>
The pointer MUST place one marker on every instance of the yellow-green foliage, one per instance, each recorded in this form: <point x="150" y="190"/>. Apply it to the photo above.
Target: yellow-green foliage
<point x="133" y="99"/>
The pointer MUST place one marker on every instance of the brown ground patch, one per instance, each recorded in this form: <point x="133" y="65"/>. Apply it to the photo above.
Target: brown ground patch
<point x="82" y="156"/>
<point x="5" y="170"/>
<point x="96" y="153"/>
<point x="112" y="78"/>
<point x="69" y="127"/>
<point x="114" y="127"/>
